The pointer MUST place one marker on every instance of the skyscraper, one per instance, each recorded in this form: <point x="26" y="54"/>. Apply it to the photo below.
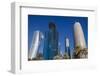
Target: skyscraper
<point x="37" y="37"/>
<point x="59" y="55"/>
<point x="51" y="42"/>
<point x="80" y="43"/>
<point x="67" y="48"/>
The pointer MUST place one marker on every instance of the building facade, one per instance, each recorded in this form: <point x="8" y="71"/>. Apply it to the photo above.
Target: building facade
<point x="67" y="48"/>
<point x="80" y="43"/>
<point x="36" y="40"/>
<point x="51" y="42"/>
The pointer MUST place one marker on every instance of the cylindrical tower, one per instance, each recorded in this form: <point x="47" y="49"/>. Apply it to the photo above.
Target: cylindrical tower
<point x="67" y="42"/>
<point x="80" y="44"/>
<point x="67" y="48"/>
<point x="51" y="42"/>
<point x="79" y="36"/>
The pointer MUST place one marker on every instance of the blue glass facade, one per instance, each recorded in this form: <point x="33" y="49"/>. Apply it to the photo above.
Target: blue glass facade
<point x="67" y="50"/>
<point x="51" y="43"/>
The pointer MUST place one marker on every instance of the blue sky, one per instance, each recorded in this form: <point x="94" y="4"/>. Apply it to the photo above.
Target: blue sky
<point x="64" y="25"/>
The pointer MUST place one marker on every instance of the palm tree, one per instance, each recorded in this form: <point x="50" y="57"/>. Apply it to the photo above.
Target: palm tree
<point x="80" y="53"/>
<point x="77" y="50"/>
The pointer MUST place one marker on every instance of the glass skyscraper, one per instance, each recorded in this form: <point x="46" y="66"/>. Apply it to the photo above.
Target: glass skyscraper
<point x="36" y="41"/>
<point x="51" y="42"/>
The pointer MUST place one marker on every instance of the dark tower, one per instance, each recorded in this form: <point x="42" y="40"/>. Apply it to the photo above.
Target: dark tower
<point x="51" y="42"/>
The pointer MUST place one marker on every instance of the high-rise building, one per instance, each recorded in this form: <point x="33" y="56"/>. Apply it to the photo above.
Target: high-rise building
<point x="51" y="42"/>
<point x="36" y="40"/>
<point x="67" y="48"/>
<point x="59" y="55"/>
<point x="80" y="43"/>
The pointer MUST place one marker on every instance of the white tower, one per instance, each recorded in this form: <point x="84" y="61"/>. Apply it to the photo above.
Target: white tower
<point x="67" y="42"/>
<point x="37" y="37"/>
<point x="67" y="47"/>
<point x="79" y="36"/>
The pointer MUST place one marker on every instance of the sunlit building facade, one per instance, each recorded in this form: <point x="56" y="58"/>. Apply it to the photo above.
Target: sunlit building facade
<point x="67" y="48"/>
<point x="36" y="40"/>
<point x="80" y="43"/>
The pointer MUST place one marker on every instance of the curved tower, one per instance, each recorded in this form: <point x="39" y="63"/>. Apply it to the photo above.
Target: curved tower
<point x="37" y="37"/>
<point x="79" y="36"/>
<point x="80" y="43"/>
